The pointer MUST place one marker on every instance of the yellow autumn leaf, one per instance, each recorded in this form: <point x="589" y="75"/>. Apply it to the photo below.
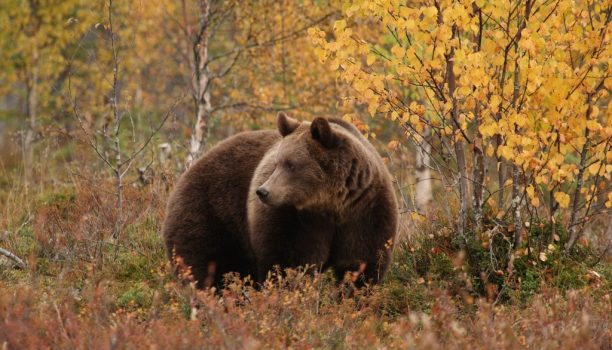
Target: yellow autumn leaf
<point x="430" y="11"/>
<point x="593" y="125"/>
<point x="505" y="151"/>
<point x="409" y="24"/>
<point x="339" y="25"/>
<point x="372" y="108"/>
<point x="487" y="130"/>
<point x="530" y="191"/>
<point x="360" y="85"/>
<point x="594" y="168"/>
<point x="495" y="101"/>
<point x="398" y="51"/>
<point x="370" y="59"/>
<point x="562" y="198"/>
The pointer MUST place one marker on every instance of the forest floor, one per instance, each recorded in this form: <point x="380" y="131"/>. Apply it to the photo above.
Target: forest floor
<point x="82" y="290"/>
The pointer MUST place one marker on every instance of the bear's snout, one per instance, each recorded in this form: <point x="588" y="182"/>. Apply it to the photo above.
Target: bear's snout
<point x="262" y="193"/>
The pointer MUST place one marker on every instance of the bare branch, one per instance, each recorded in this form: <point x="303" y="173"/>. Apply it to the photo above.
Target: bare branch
<point x="154" y="132"/>
<point x="18" y="262"/>
<point x="272" y="41"/>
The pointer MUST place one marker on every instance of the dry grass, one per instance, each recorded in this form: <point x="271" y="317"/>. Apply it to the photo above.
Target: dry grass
<point x="83" y="291"/>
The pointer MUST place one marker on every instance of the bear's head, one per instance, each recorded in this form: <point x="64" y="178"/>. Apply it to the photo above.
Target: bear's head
<point x="309" y="164"/>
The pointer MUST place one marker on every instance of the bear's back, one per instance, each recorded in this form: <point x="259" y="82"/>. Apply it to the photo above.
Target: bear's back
<point x="211" y="196"/>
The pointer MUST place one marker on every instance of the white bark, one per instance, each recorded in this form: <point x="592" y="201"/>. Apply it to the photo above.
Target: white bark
<point x="423" y="188"/>
<point x="32" y="105"/>
<point x="573" y="229"/>
<point x="200" y="83"/>
<point x="478" y="174"/>
<point x="200" y="129"/>
<point x="16" y="260"/>
<point x="516" y="206"/>
<point x="463" y="186"/>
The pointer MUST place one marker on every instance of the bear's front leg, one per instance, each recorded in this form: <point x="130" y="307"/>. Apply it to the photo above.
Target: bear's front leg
<point x="290" y="239"/>
<point x="362" y="271"/>
<point x="364" y="247"/>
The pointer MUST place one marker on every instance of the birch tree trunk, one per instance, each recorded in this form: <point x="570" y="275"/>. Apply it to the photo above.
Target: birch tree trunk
<point x="463" y="186"/>
<point x="478" y="174"/>
<point x="200" y="83"/>
<point x="32" y="115"/>
<point x="423" y="188"/>
<point x="516" y="195"/>
<point x="459" y="142"/>
<point x="516" y="206"/>
<point x="573" y="230"/>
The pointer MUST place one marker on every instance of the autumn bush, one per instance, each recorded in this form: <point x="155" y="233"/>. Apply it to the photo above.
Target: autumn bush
<point x="85" y="291"/>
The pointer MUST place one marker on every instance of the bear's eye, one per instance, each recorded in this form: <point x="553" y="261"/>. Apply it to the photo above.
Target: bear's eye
<point x="289" y="165"/>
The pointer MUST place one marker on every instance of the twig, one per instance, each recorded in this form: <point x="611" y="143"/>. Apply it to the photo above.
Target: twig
<point x="154" y="132"/>
<point x="17" y="260"/>
<point x="272" y="41"/>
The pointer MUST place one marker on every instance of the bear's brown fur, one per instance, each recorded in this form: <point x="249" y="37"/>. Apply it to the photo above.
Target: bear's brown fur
<point x="312" y="193"/>
<point x="206" y="221"/>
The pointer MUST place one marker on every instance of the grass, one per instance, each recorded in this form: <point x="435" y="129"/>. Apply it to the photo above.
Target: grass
<point x="82" y="290"/>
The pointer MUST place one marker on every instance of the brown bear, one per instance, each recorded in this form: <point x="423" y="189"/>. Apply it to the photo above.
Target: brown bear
<point x="308" y="194"/>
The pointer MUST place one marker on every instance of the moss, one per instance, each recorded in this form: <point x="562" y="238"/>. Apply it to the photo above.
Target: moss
<point x="441" y="266"/>
<point x="529" y="284"/>
<point x="139" y="295"/>
<point x="542" y="233"/>
<point x="24" y="243"/>
<point x="568" y="274"/>
<point x="487" y="260"/>
<point x="403" y="266"/>
<point x="146" y="234"/>
<point x="399" y="298"/>
<point x="61" y="197"/>
<point x="132" y="266"/>
<point x="605" y="271"/>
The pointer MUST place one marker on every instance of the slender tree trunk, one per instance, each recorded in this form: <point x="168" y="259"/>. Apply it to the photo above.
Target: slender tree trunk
<point x="573" y="230"/>
<point x="516" y="193"/>
<point x="423" y="188"/>
<point x="200" y="85"/>
<point x="459" y="141"/>
<point x="478" y="173"/>
<point x="200" y="129"/>
<point x="516" y="205"/>
<point x="117" y="116"/>
<point x="32" y="115"/>
<point x="463" y="186"/>
<point x="501" y="177"/>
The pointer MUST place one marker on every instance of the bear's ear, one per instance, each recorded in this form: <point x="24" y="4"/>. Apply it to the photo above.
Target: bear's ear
<point x="322" y="132"/>
<point x="286" y="125"/>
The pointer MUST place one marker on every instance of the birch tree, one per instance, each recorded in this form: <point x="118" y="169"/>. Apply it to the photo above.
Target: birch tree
<point x="522" y="86"/>
<point x="212" y="55"/>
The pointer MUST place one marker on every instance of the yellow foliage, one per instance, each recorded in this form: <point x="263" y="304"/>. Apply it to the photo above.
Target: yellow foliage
<point x="562" y="198"/>
<point x="540" y="103"/>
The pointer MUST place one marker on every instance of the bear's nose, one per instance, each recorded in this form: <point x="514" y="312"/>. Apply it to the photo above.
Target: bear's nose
<point x="262" y="193"/>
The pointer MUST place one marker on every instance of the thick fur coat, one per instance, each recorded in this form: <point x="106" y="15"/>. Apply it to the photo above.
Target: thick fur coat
<point x="308" y="194"/>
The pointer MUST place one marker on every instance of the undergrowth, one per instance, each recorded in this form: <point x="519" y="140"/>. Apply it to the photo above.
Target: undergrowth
<point x="83" y="290"/>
